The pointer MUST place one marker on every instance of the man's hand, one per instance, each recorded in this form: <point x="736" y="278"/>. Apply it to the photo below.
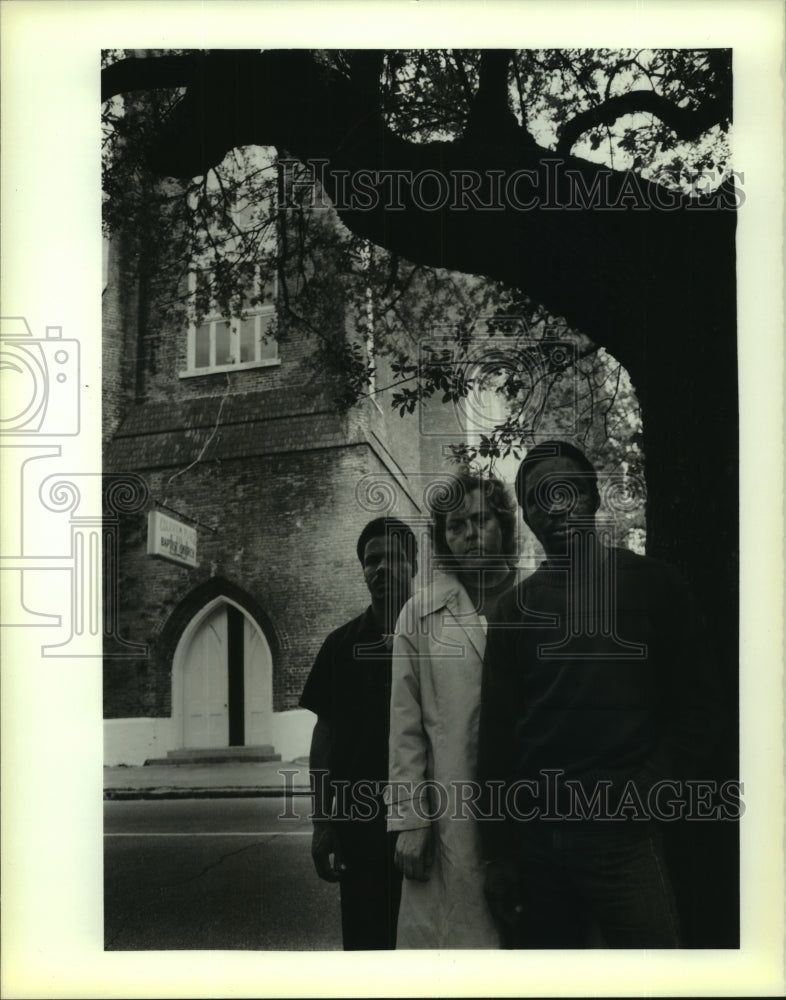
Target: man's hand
<point x="414" y="853"/>
<point x="502" y="891"/>
<point x="324" y="845"/>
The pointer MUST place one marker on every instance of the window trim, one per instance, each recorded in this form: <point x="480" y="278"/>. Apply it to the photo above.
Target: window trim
<point x="366" y="257"/>
<point x="214" y="318"/>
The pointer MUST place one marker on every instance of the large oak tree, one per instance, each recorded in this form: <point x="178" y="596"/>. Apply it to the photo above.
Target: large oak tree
<point x="470" y="162"/>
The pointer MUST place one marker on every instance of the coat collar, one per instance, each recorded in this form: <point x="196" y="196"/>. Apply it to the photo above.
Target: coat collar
<point x="445" y="591"/>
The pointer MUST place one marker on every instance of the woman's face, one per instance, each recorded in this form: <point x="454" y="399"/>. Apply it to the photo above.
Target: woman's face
<point x="473" y="531"/>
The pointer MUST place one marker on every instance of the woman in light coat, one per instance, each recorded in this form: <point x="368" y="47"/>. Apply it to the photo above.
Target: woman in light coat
<point x="435" y="703"/>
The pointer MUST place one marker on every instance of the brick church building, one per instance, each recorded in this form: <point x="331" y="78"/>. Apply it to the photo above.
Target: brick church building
<point x="233" y="553"/>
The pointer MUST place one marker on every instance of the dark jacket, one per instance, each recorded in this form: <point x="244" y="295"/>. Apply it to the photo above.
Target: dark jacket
<point x="605" y="678"/>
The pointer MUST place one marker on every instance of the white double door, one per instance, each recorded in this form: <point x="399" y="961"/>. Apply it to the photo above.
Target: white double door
<point x="227" y="682"/>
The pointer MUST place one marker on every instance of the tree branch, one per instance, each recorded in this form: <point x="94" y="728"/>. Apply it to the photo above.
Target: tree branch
<point x="147" y="73"/>
<point x="600" y="263"/>
<point x="365" y="71"/>
<point x="462" y="75"/>
<point x="686" y="123"/>
<point x="490" y="112"/>
<point x="618" y="67"/>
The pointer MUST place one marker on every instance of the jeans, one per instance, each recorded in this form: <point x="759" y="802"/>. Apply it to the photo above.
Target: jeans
<point x="581" y="878"/>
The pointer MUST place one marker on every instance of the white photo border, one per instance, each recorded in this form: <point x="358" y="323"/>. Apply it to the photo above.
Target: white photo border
<point x="52" y="734"/>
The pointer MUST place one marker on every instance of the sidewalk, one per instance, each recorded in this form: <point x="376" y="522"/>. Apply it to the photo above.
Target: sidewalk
<point x="236" y="779"/>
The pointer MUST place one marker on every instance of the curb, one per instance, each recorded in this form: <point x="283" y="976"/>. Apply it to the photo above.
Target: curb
<point x="125" y="794"/>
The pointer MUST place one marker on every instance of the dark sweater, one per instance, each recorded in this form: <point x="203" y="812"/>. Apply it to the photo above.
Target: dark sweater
<point x="603" y="675"/>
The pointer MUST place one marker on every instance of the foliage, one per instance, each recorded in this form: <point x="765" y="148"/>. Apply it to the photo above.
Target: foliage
<point x="363" y="304"/>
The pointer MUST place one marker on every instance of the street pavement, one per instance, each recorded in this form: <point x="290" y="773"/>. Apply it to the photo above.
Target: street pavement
<point x="211" y="873"/>
<point x="213" y="856"/>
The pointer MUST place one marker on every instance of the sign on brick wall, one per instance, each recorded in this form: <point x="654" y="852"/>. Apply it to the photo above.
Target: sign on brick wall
<point x="170" y="539"/>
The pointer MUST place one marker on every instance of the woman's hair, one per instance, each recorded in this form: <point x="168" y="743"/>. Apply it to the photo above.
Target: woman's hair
<point x="447" y="495"/>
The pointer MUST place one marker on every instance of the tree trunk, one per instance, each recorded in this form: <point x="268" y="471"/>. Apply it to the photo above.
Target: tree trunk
<point x="690" y="422"/>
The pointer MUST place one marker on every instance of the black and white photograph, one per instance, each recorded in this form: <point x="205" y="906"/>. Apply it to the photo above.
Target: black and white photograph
<point x="402" y="505"/>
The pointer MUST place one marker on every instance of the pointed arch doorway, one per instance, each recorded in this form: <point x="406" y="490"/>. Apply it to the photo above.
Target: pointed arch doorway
<point x="222" y="690"/>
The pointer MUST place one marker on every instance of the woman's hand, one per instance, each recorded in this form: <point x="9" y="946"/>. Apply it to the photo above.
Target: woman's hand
<point x="414" y="853"/>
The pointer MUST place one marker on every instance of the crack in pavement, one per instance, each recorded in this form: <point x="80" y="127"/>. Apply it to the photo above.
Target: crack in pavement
<point x="215" y="864"/>
<point x="140" y="908"/>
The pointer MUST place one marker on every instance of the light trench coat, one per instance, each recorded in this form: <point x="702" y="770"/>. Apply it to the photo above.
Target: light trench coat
<point x="435" y="704"/>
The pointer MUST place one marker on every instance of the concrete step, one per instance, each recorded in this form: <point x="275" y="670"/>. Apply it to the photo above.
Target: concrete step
<point x="218" y="755"/>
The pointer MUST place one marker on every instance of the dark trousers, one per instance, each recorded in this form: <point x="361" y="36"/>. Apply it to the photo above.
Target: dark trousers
<point x="370" y="888"/>
<point x="581" y="878"/>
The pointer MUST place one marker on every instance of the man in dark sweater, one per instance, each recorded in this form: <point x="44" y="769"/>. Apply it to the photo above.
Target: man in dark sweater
<point x="598" y="703"/>
<point x="349" y="691"/>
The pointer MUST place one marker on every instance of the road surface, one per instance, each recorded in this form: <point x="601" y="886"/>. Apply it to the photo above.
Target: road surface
<point x="215" y="874"/>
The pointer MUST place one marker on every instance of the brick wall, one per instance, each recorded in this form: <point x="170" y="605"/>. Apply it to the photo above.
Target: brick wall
<point x="284" y="530"/>
<point x="267" y="470"/>
<point x="118" y="353"/>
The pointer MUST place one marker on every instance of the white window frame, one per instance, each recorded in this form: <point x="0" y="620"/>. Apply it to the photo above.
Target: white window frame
<point x="365" y="257"/>
<point x="258" y="313"/>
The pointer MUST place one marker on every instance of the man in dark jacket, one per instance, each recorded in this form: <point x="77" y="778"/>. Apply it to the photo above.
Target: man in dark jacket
<point x="349" y="690"/>
<point x="598" y="702"/>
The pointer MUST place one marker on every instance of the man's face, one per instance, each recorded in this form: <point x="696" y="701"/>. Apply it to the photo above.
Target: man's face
<point x="387" y="570"/>
<point x="556" y="489"/>
<point x="473" y="531"/>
